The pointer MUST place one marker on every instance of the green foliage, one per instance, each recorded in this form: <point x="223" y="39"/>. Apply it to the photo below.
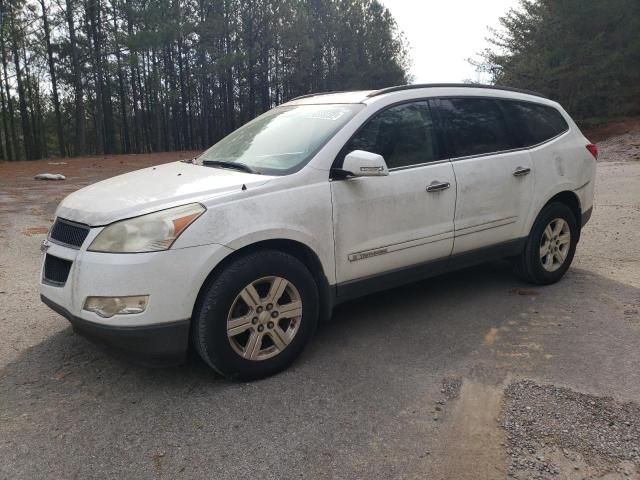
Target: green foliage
<point x="140" y="75"/>
<point x="583" y="53"/>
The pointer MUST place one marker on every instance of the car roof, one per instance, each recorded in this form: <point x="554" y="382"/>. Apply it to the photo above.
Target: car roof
<point x="453" y="85"/>
<point x="357" y="96"/>
<point x="363" y="96"/>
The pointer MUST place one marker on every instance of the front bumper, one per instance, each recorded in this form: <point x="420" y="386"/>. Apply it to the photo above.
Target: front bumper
<point x="172" y="279"/>
<point x="160" y="345"/>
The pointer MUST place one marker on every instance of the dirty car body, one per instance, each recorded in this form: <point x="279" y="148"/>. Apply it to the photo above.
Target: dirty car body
<point x="328" y="197"/>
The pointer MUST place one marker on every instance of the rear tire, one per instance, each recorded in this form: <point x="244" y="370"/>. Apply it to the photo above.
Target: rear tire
<point x="550" y="246"/>
<point x="255" y="317"/>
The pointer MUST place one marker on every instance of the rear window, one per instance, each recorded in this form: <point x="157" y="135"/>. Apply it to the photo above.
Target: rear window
<point x="534" y="123"/>
<point x="475" y="126"/>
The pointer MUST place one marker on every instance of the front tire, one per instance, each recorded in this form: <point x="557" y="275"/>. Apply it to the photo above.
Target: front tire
<point x="255" y="317"/>
<point x="550" y="246"/>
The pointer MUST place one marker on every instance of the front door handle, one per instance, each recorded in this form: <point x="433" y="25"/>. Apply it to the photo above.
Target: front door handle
<point x="521" y="172"/>
<point x="437" y="186"/>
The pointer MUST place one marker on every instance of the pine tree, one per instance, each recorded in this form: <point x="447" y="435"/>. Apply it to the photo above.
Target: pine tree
<point x="583" y="53"/>
<point x="138" y="76"/>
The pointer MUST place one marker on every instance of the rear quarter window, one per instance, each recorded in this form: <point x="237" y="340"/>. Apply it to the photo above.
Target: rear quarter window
<point x="533" y="123"/>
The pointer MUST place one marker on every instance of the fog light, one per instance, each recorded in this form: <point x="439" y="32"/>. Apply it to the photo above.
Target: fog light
<point x="107" y="307"/>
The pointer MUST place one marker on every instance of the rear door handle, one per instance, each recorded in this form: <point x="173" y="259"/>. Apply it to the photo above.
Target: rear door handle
<point x="437" y="186"/>
<point x="521" y="172"/>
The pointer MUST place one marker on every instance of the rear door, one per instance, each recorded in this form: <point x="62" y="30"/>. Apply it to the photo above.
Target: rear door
<point x="384" y="224"/>
<point x="495" y="178"/>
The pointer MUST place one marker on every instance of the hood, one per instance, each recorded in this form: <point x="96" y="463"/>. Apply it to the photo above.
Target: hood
<point x="152" y="189"/>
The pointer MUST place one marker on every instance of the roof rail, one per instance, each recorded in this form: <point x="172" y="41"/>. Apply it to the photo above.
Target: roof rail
<point x="436" y="85"/>
<point x="314" y="95"/>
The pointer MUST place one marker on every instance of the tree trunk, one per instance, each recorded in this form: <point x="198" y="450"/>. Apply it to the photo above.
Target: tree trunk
<point x="146" y="99"/>
<point x="175" y="115"/>
<point x="9" y="125"/>
<point x="80" y="140"/>
<point x="186" y="130"/>
<point x="109" y="129"/>
<point x="34" y="108"/>
<point x="230" y="112"/>
<point x="54" y="82"/>
<point x="158" y="103"/>
<point x="5" y="124"/>
<point x="133" y="65"/>
<point x="126" y="143"/>
<point x="93" y="13"/>
<point x="24" y="114"/>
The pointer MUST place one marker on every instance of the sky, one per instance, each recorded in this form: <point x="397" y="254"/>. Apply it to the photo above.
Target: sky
<point x="443" y="34"/>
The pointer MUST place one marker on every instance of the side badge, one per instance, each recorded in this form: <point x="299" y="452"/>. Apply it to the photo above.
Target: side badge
<point x="354" y="257"/>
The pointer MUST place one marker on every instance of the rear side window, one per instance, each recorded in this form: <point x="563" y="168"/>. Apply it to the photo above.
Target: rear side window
<point x="475" y="126"/>
<point x="404" y="135"/>
<point x="534" y="123"/>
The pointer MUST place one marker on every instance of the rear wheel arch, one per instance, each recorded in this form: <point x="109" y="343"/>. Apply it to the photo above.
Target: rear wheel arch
<point x="571" y="200"/>
<point x="548" y="244"/>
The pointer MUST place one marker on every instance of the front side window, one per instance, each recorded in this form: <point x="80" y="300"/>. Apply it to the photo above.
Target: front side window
<point x="533" y="122"/>
<point x="475" y="126"/>
<point x="404" y="135"/>
<point x="282" y="140"/>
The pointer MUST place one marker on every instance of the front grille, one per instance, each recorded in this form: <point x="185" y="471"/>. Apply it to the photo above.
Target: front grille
<point x="69" y="233"/>
<point x="56" y="270"/>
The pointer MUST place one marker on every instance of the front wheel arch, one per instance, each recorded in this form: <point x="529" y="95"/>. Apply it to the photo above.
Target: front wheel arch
<point x="297" y="249"/>
<point x="210" y="326"/>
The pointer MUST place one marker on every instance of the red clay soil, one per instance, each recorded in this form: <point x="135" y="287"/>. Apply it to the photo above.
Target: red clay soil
<point x="93" y="167"/>
<point x="598" y="134"/>
<point x="19" y="192"/>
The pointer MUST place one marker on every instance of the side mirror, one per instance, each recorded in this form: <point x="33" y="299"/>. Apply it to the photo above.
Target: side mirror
<point x="363" y="164"/>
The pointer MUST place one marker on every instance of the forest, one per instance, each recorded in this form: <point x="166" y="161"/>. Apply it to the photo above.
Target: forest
<point x="130" y="76"/>
<point x="85" y="77"/>
<point x="583" y="53"/>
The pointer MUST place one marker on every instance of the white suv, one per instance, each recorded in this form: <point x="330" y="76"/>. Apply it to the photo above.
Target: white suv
<point x="240" y="251"/>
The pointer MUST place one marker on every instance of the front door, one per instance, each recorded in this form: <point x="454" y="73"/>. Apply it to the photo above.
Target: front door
<point x="384" y="224"/>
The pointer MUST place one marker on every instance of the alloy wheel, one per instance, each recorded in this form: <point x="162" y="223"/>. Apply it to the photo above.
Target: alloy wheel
<point x="264" y="318"/>
<point x="555" y="244"/>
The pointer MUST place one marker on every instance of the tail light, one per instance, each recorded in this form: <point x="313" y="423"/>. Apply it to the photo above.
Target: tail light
<point x="593" y="150"/>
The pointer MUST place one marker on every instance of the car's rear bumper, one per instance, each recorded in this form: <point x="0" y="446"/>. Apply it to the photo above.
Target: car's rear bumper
<point x="158" y="345"/>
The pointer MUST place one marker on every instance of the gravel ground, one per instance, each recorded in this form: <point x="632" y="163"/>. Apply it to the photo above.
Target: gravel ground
<point x="621" y="147"/>
<point x="451" y="388"/>
<point x="425" y="381"/>
<point x="555" y="432"/>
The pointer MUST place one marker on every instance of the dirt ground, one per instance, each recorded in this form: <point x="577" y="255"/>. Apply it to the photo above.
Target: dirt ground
<point x="19" y="193"/>
<point x="613" y="129"/>
<point x="473" y="375"/>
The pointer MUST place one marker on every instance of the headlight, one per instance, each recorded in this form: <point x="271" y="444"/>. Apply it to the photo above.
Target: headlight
<point x="148" y="233"/>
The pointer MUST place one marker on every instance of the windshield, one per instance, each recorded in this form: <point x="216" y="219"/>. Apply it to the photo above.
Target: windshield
<point x="282" y="140"/>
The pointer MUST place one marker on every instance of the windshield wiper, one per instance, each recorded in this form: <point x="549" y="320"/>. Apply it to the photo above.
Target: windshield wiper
<point x="233" y="165"/>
